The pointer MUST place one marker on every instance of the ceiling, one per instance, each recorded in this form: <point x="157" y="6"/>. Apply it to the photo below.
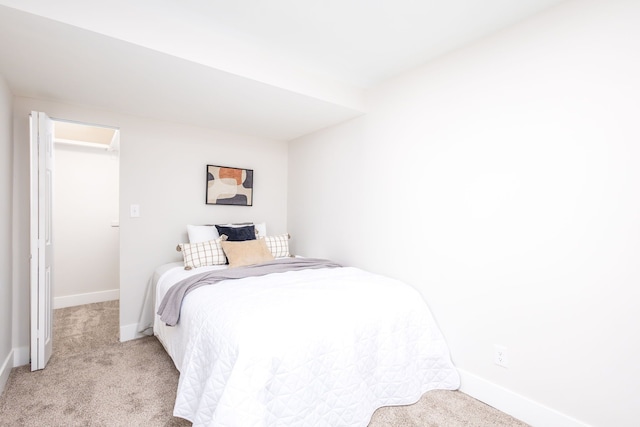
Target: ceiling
<point x="276" y="69"/>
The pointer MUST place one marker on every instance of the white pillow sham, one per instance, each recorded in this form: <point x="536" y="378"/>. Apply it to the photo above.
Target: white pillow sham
<point x="201" y="233"/>
<point x="202" y="254"/>
<point x="261" y="229"/>
<point x="278" y="245"/>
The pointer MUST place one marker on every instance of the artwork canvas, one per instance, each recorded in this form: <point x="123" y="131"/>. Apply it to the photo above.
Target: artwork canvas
<point x="229" y="186"/>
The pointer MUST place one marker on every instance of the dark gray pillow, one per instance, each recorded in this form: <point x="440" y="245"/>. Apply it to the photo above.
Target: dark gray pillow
<point x="237" y="234"/>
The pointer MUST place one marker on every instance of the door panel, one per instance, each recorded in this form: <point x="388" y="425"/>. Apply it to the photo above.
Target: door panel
<point x="41" y="192"/>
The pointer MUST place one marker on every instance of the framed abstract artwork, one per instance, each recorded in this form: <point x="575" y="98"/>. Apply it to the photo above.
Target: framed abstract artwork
<point x="229" y="186"/>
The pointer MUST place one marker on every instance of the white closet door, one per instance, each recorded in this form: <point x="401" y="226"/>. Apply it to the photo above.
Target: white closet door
<point x="41" y="193"/>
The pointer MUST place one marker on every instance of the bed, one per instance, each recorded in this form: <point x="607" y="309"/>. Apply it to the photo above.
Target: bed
<point x="310" y="347"/>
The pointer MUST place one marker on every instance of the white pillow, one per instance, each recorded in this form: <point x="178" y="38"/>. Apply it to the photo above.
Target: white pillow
<point x="261" y="229"/>
<point x="202" y="233"/>
<point x="278" y="245"/>
<point x="202" y="254"/>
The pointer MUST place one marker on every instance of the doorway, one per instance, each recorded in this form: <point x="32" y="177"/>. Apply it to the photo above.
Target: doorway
<point x="86" y="186"/>
<point x="85" y="214"/>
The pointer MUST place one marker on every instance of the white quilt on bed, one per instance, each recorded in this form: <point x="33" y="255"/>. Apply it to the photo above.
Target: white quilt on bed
<point x="306" y="348"/>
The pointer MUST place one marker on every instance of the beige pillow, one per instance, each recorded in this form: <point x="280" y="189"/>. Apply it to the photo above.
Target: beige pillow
<point x="247" y="252"/>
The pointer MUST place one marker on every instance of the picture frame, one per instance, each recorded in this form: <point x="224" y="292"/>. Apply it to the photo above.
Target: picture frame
<point x="229" y="186"/>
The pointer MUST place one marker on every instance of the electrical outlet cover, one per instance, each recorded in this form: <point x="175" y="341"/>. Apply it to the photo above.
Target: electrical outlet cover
<point x="500" y="356"/>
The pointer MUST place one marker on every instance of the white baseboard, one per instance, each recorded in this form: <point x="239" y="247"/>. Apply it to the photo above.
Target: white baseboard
<point x="88" y="298"/>
<point x="5" y="370"/>
<point x="21" y="356"/>
<point x="520" y="407"/>
<point x="130" y="332"/>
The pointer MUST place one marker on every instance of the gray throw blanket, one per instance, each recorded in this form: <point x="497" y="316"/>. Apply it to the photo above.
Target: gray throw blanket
<point x="169" y="309"/>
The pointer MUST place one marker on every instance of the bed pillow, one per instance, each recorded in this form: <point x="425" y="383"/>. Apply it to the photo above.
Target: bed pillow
<point x="201" y="233"/>
<point x="247" y="252"/>
<point x="278" y="245"/>
<point x="235" y="224"/>
<point x="237" y="234"/>
<point x="202" y="254"/>
<point x="261" y="229"/>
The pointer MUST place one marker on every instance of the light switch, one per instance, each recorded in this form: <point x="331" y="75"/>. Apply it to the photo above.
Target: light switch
<point x="134" y="211"/>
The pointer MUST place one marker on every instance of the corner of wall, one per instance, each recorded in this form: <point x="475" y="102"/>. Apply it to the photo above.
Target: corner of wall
<point x="6" y="230"/>
<point x="5" y="370"/>
<point x="130" y="332"/>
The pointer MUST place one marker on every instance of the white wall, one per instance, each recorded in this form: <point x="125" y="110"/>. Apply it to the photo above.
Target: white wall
<point x="503" y="181"/>
<point x="87" y="246"/>
<point x="162" y="168"/>
<point x="6" y="180"/>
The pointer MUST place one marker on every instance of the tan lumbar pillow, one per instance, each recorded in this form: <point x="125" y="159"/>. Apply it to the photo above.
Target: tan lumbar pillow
<point x="248" y="252"/>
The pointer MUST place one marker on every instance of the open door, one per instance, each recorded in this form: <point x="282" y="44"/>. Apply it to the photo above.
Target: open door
<point x="41" y="149"/>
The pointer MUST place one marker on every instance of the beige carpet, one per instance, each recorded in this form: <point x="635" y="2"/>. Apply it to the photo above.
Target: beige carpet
<point x="94" y="380"/>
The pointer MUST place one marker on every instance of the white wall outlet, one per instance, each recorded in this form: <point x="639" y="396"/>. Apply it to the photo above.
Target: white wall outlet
<point x="500" y="356"/>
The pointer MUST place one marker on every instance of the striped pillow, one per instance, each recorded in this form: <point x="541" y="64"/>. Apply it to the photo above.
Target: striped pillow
<point x="278" y="245"/>
<point x="202" y="254"/>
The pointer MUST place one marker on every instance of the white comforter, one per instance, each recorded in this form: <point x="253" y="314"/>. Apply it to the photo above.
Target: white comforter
<point x="320" y="347"/>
